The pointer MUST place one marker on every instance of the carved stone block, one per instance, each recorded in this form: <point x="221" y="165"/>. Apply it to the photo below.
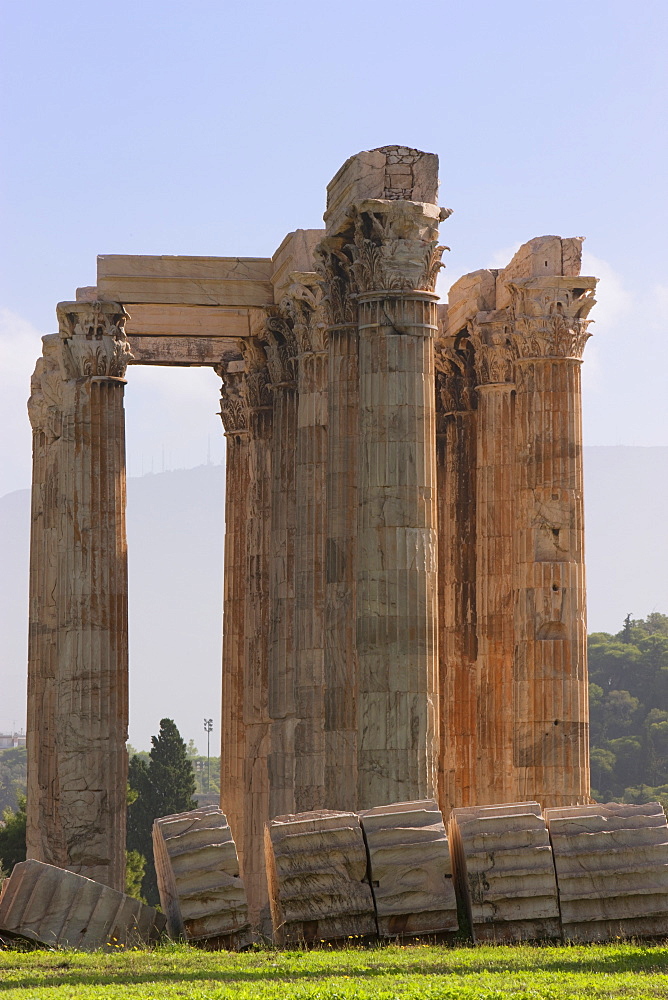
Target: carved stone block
<point x="612" y="870"/>
<point x="59" y="909"/>
<point x="201" y="891"/>
<point x="411" y="874"/>
<point x="316" y="868"/>
<point x="503" y="860"/>
<point x="391" y="173"/>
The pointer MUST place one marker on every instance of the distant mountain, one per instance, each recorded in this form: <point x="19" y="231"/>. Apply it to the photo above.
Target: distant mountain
<point x="175" y="536"/>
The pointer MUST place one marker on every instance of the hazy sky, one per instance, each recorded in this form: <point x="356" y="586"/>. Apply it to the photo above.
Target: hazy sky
<point x="213" y="128"/>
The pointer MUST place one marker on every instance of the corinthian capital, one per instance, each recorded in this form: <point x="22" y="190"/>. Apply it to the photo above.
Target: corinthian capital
<point x="395" y="246"/>
<point x="333" y="267"/>
<point x="257" y="380"/>
<point x="280" y="346"/>
<point x="489" y="333"/>
<point x="93" y="339"/>
<point x="304" y="307"/>
<point x="549" y="316"/>
<point x="233" y="402"/>
<point x="455" y="374"/>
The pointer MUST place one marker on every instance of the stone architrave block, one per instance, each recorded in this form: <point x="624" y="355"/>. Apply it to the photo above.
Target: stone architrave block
<point x="316" y="869"/>
<point x="411" y="874"/>
<point x="60" y="909"/>
<point x="201" y="890"/>
<point x="612" y="870"/>
<point x="503" y="865"/>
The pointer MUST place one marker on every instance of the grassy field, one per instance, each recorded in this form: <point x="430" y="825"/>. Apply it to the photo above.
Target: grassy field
<point x="383" y="973"/>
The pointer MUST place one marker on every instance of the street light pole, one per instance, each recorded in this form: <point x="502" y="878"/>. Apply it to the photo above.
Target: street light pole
<point x="208" y="726"/>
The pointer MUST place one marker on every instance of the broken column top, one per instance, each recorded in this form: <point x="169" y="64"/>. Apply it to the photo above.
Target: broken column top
<point x="391" y="173"/>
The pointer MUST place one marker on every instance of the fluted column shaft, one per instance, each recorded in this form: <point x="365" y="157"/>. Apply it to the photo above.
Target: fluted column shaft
<point x="494" y="592"/>
<point x="550" y="683"/>
<point x="256" y="720"/>
<point x="233" y="734"/>
<point x="396" y="597"/>
<point x="78" y="671"/>
<point x="311" y="478"/>
<point x="282" y="602"/>
<point x="341" y="675"/>
<point x="456" y="448"/>
<point x="550" y="706"/>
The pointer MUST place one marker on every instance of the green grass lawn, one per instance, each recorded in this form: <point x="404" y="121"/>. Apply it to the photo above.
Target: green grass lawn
<point x="382" y="973"/>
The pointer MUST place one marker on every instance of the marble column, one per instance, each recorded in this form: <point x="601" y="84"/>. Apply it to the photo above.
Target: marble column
<point x="395" y="262"/>
<point x="234" y="414"/>
<point x="456" y="403"/>
<point x="550" y="710"/>
<point x="490" y="336"/>
<point x="78" y="647"/>
<point x="302" y="304"/>
<point x="340" y="660"/>
<point x="255" y="718"/>
<point x="281" y="349"/>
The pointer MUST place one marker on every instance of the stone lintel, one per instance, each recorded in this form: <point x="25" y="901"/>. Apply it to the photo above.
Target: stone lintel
<point x="224" y="281"/>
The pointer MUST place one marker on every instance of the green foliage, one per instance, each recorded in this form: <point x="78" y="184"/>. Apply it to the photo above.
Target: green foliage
<point x="13" y="836"/>
<point x="160" y="785"/>
<point x="628" y="704"/>
<point x="13" y="776"/>
<point x="420" y="972"/>
<point x="135" y="868"/>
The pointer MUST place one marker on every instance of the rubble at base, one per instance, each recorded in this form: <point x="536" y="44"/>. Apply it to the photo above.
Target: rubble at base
<point x="56" y="908"/>
<point x="201" y="891"/>
<point x="612" y="870"/>
<point x="316" y="864"/>
<point x="410" y="870"/>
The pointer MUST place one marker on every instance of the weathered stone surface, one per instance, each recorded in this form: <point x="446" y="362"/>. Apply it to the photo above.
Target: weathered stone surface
<point x="503" y="860"/>
<point x="201" y="891"/>
<point x="207" y="281"/>
<point x="316" y="866"/>
<point x="411" y="874"/>
<point x="78" y="636"/>
<point x="612" y="870"/>
<point x="404" y="575"/>
<point x="59" y="909"/>
<point x="388" y="173"/>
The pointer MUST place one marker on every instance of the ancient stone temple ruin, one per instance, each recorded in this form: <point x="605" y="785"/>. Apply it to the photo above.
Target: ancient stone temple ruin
<point x="404" y="609"/>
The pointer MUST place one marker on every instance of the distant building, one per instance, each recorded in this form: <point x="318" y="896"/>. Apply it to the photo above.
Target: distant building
<point x="9" y="740"/>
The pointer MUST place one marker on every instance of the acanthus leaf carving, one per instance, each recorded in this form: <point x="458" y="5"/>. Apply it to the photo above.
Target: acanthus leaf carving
<point x="334" y="268"/>
<point x="455" y="374"/>
<point x="280" y="348"/>
<point x="93" y="339"/>
<point x="489" y="334"/>
<point x="303" y="304"/>
<point x="394" y="248"/>
<point x="549" y="316"/>
<point x="257" y="380"/>
<point x="233" y="402"/>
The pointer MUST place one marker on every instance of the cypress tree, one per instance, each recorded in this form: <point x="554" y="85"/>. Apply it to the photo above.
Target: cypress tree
<point x="162" y="786"/>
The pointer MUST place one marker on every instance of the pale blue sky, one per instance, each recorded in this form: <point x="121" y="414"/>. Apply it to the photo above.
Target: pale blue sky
<point x="213" y="128"/>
